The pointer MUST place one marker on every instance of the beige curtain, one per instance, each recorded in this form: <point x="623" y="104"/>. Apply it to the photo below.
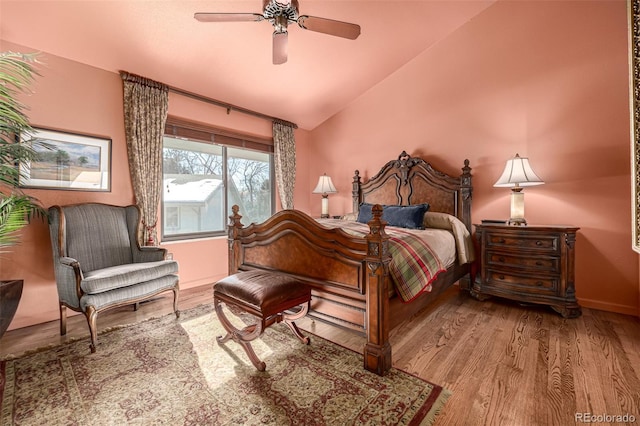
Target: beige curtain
<point x="146" y="103"/>
<point x="285" y="161"/>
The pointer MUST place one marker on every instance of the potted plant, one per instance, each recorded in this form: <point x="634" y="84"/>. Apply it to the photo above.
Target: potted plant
<point x="16" y="208"/>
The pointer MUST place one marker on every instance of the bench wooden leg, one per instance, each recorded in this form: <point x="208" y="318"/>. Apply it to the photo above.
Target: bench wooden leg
<point x="251" y="332"/>
<point x="290" y="318"/>
<point x="243" y="337"/>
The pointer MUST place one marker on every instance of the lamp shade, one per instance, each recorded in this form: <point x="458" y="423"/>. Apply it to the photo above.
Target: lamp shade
<point x="518" y="172"/>
<point x="325" y="185"/>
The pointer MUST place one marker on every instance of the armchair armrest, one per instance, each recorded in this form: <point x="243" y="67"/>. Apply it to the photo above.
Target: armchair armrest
<point x="149" y="254"/>
<point x="68" y="278"/>
<point x="69" y="261"/>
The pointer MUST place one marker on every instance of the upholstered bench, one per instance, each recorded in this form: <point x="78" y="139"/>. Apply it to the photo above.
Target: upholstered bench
<point x="269" y="296"/>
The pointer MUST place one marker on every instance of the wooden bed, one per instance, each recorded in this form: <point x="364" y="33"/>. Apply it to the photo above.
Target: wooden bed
<point x="349" y="275"/>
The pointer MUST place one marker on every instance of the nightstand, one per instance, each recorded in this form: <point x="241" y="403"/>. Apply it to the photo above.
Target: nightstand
<point x="531" y="264"/>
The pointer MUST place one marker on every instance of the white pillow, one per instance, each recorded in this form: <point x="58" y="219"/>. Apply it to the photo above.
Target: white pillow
<point x="350" y="216"/>
<point x="464" y="242"/>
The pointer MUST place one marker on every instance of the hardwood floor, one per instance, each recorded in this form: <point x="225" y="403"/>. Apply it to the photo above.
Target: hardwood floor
<point x="506" y="364"/>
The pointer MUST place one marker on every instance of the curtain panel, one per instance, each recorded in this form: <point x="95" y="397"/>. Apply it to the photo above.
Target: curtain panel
<point x="146" y="104"/>
<point x="285" y="161"/>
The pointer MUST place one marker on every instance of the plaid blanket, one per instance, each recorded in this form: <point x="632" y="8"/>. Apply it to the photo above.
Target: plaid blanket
<point x="413" y="266"/>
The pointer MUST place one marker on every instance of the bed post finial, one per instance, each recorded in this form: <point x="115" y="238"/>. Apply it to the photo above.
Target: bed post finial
<point x="377" y="350"/>
<point x="355" y="192"/>
<point x="466" y="193"/>
<point x="234" y="245"/>
<point x="234" y="221"/>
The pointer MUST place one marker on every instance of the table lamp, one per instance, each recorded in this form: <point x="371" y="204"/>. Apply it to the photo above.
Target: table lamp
<point x="518" y="174"/>
<point x="325" y="187"/>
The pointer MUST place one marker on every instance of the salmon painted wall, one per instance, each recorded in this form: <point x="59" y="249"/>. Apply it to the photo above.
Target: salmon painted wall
<point x="547" y="80"/>
<point x="78" y="98"/>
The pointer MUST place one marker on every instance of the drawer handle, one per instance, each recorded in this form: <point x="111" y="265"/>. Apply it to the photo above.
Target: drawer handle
<point x="538" y="243"/>
<point x="501" y="241"/>
<point x="538" y="263"/>
<point x="501" y="277"/>
<point x="501" y="259"/>
<point x="539" y="283"/>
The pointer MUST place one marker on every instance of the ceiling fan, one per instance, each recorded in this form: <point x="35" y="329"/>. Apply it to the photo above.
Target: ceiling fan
<point x="280" y="15"/>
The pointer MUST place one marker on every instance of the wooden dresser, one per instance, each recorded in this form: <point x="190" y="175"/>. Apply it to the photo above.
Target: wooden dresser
<point x="532" y="264"/>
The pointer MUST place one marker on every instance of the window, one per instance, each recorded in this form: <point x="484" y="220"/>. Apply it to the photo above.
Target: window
<point x="250" y="183"/>
<point x="172" y="218"/>
<point x="202" y="180"/>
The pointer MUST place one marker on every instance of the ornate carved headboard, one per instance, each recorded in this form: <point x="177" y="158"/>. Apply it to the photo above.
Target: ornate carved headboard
<point x="408" y="180"/>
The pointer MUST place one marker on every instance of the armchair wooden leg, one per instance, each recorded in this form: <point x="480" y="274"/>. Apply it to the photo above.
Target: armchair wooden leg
<point x="92" y="316"/>
<point x="63" y="319"/>
<point x="175" y="301"/>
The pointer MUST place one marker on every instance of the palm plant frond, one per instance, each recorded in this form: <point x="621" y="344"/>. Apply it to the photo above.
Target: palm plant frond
<point x="17" y="72"/>
<point x="14" y="212"/>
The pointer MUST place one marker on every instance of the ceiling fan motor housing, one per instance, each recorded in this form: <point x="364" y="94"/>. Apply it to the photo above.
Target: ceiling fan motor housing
<point x="280" y="14"/>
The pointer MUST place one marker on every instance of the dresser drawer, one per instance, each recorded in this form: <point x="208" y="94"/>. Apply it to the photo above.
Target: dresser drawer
<point x="538" y="263"/>
<point x="545" y="243"/>
<point x="522" y="283"/>
<point x="529" y="263"/>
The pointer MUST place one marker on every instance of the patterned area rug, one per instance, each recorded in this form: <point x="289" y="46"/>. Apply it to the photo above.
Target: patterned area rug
<point x="168" y="371"/>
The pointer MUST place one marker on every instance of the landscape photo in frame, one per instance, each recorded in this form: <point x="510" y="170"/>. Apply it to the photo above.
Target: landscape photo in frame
<point x="67" y="161"/>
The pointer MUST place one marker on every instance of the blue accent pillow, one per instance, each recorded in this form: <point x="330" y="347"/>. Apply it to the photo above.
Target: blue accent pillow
<point x="405" y="216"/>
<point x="401" y="216"/>
<point x="364" y="213"/>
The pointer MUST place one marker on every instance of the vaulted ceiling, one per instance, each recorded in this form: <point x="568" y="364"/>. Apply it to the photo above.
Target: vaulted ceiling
<point x="232" y="62"/>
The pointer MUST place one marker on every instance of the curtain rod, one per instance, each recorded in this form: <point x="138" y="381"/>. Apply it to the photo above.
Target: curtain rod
<point x="229" y="107"/>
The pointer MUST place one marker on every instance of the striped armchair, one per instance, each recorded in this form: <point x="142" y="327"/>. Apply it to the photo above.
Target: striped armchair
<point x="99" y="264"/>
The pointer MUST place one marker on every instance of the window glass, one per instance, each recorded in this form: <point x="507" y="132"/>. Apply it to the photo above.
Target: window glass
<point x="250" y="183"/>
<point x="193" y="188"/>
<point x="172" y="218"/>
<point x="195" y="175"/>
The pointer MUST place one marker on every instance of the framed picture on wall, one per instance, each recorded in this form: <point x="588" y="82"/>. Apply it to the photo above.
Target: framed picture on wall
<point x="67" y="161"/>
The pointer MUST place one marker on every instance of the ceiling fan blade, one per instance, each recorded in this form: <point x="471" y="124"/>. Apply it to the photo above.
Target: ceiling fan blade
<point x="329" y="26"/>
<point x="280" y="43"/>
<point x="228" y="17"/>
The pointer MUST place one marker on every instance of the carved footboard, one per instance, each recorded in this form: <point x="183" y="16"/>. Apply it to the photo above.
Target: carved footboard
<point x="352" y="272"/>
<point x="349" y="275"/>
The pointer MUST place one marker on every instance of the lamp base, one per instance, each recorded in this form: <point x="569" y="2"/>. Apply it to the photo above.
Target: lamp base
<point x="325" y="206"/>
<point x="517" y="207"/>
